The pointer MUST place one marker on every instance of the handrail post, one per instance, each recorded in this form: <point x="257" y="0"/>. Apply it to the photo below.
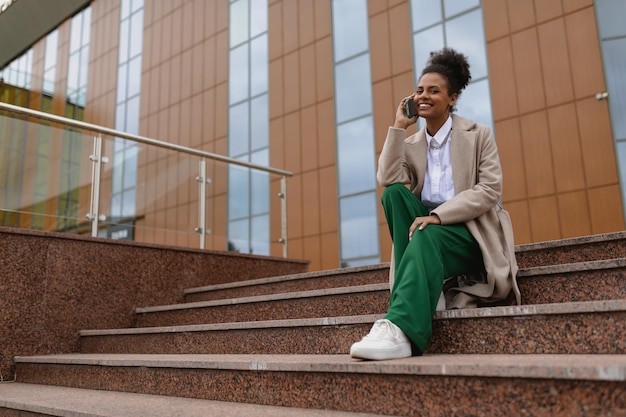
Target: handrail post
<point x="96" y="172"/>
<point x="202" y="181"/>
<point x="283" y="214"/>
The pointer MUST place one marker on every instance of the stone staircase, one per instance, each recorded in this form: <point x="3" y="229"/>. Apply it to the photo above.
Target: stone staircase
<point x="278" y="346"/>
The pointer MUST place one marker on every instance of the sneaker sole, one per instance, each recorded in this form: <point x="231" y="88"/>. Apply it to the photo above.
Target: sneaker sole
<point x="398" y="352"/>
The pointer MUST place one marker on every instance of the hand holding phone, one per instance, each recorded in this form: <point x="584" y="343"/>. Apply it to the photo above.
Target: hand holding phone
<point x="409" y="108"/>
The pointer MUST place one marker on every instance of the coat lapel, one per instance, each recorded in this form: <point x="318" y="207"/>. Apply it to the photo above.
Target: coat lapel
<point x="462" y="154"/>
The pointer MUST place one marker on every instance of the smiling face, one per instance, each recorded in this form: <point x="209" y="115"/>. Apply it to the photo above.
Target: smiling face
<point x="433" y="100"/>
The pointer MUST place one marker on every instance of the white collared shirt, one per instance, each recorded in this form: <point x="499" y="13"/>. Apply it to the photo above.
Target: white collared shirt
<point x="438" y="183"/>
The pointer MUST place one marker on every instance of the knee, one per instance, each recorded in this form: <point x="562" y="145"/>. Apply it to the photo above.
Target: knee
<point x="391" y="191"/>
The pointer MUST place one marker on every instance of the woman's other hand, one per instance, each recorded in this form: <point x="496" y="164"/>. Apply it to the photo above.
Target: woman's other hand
<point x="421" y="222"/>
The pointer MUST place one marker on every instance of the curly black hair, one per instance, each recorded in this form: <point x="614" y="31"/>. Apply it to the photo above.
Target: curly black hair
<point x="453" y="65"/>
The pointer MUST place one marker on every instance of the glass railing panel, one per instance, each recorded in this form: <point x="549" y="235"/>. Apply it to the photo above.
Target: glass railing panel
<point x="45" y="180"/>
<point x="149" y="194"/>
<point x="144" y="190"/>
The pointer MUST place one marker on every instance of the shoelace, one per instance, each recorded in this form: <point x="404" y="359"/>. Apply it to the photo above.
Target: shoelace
<point x="381" y="327"/>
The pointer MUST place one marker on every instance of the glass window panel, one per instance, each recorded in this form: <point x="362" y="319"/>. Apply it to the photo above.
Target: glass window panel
<point x="238" y="74"/>
<point x="130" y="168"/>
<point x="424" y="43"/>
<point x="48" y="81"/>
<point x="125" y="9"/>
<point x="260" y="187"/>
<point x="350" y="35"/>
<point x="475" y="103"/>
<point x="134" y="76"/>
<point x="610" y="15"/>
<point x="118" y="168"/>
<point x="124" y="39"/>
<point x="258" y="66"/>
<point x="72" y="73"/>
<point x="52" y="43"/>
<point x="136" y="34"/>
<point x="261" y="157"/>
<point x="452" y="7"/>
<point x="238" y="129"/>
<point x="260" y="123"/>
<point x="360" y="262"/>
<point x="238" y="235"/>
<point x="359" y="226"/>
<point x="137" y="4"/>
<point x="260" y="239"/>
<point x="120" y="117"/>
<point x="75" y="32"/>
<point x="128" y="203"/>
<point x="132" y="116"/>
<point x="466" y="34"/>
<point x="353" y="89"/>
<point x="238" y="192"/>
<point x="86" y="32"/>
<point x="238" y="25"/>
<point x="355" y="156"/>
<point x="621" y="152"/>
<point x="122" y="79"/>
<point x="116" y="205"/>
<point x="425" y="13"/>
<point x="84" y="65"/>
<point x="614" y="52"/>
<point x="258" y="17"/>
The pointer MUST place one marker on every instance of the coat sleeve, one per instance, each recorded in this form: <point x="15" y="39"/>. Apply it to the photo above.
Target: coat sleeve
<point x="485" y="194"/>
<point x="392" y="165"/>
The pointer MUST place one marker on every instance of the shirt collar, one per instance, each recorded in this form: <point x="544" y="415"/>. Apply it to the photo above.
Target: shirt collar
<point x="441" y="133"/>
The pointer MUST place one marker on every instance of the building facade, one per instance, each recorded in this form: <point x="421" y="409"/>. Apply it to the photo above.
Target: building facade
<point x="309" y="86"/>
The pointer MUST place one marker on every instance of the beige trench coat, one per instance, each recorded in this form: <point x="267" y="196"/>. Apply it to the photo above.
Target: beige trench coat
<point x="477" y="178"/>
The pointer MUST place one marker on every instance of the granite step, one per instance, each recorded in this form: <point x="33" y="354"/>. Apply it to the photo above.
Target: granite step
<point x="319" y="280"/>
<point x="48" y="400"/>
<point x="585" y="281"/>
<point x="582" y="281"/>
<point x="442" y="385"/>
<point x="577" y="327"/>
<point x="572" y="250"/>
<point x="340" y="301"/>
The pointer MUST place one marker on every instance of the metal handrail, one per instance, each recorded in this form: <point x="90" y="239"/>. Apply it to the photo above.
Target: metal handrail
<point x="137" y="138"/>
<point x="166" y="145"/>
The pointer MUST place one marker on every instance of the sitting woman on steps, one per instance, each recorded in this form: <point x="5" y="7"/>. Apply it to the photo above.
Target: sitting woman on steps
<point x="442" y="205"/>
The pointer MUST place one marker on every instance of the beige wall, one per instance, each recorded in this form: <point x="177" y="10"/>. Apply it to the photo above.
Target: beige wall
<point x="545" y="69"/>
<point x="554" y="137"/>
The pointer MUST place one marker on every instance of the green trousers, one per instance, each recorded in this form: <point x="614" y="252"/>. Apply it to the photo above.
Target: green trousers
<point x="422" y="264"/>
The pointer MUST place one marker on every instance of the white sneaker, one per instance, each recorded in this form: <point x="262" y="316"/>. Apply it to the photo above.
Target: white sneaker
<point x="384" y="341"/>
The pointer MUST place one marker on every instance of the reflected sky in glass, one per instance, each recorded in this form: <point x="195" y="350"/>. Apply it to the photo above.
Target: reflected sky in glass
<point x="475" y="103"/>
<point x="355" y="156"/>
<point x="238" y="129"/>
<point x="359" y="226"/>
<point x="238" y="24"/>
<point x="425" y="13"/>
<point x="238" y="74"/>
<point x="353" y="89"/>
<point x="453" y="7"/>
<point x="424" y="43"/>
<point x="259" y="119"/>
<point x="258" y="66"/>
<point x="238" y="192"/>
<point x="466" y="34"/>
<point x="615" y="69"/>
<point x="349" y="28"/>
<point x="260" y="239"/>
<point x="611" y="15"/>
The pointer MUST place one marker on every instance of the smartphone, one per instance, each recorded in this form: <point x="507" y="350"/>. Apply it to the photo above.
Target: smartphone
<point x="409" y="108"/>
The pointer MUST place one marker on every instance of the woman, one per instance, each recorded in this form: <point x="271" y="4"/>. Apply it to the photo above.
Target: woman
<point x="442" y="205"/>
